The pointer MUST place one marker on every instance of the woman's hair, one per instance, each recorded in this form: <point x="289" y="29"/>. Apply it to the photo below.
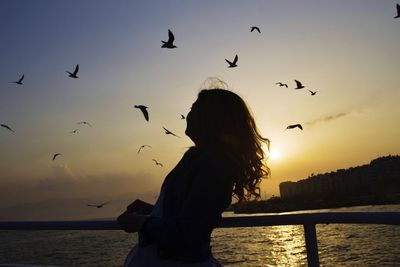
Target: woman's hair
<point x="224" y="120"/>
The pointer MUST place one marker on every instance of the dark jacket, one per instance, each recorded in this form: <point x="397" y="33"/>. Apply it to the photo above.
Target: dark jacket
<point x="197" y="191"/>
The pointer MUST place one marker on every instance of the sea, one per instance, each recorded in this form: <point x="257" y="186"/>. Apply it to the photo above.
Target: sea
<point x="339" y="245"/>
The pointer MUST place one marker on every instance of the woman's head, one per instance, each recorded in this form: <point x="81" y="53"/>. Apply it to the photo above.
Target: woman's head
<point x="221" y="119"/>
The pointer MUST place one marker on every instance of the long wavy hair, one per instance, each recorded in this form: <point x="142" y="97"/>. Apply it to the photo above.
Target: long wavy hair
<point x="224" y="121"/>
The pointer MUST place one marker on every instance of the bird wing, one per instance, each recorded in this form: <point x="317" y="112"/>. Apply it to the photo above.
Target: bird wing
<point x="230" y="63"/>
<point x="55" y="155"/>
<point x="298" y="84"/>
<point x="299" y="125"/>
<point x="20" y="80"/>
<point x="174" y="134"/>
<point x="7" y="127"/>
<point x="258" y="29"/>
<point x="90" y="205"/>
<point x="145" y="113"/>
<point x="235" y="60"/>
<point x="76" y="69"/>
<point x="398" y="9"/>
<point x="285" y="85"/>
<point x="171" y="37"/>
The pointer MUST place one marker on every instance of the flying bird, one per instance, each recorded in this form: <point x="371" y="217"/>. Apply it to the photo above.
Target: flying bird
<point x="7" y="127"/>
<point x="98" y="206"/>
<point x="143" y="109"/>
<point x="20" y="80"/>
<point x="282" y="84"/>
<point x="170" y="42"/>
<point x="169" y="132"/>
<point x="73" y="74"/>
<point x="398" y="11"/>
<point x="312" y="92"/>
<point x="232" y="64"/>
<point x="299" y="85"/>
<point x="183" y="117"/>
<point x="158" y="163"/>
<point x="141" y="147"/>
<point x="74" y="131"/>
<point x="255" y="28"/>
<point x="84" y="122"/>
<point x="55" y="155"/>
<point x="294" y="126"/>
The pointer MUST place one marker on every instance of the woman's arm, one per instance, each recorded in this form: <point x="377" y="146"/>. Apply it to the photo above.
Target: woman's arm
<point x="209" y="195"/>
<point x="131" y="222"/>
<point x="140" y="207"/>
<point x="135" y="215"/>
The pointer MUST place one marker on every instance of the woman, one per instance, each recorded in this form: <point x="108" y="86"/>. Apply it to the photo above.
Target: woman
<point x="227" y="160"/>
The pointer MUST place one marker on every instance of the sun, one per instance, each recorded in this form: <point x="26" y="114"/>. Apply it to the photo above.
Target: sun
<point x="275" y="154"/>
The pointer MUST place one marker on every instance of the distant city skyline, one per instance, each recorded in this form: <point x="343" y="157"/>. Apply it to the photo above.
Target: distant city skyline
<point x="345" y="51"/>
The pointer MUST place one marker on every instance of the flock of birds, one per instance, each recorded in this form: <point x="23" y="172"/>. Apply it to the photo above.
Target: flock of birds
<point x="231" y="64"/>
<point x="144" y="109"/>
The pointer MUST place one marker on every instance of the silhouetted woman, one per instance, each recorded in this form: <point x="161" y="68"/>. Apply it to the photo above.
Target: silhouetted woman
<point x="227" y="160"/>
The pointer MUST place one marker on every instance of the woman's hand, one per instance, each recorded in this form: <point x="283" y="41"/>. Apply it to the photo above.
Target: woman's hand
<point x="140" y="207"/>
<point x="131" y="222"/>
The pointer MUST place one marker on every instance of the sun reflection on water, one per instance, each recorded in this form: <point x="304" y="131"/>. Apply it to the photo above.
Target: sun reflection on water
<point x="280" y="246"/>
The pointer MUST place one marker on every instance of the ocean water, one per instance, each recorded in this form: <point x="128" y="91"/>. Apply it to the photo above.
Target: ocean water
<point x="339" y="245"/>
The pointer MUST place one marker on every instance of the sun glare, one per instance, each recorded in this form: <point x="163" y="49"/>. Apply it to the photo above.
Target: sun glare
<point x="275" y="155"/>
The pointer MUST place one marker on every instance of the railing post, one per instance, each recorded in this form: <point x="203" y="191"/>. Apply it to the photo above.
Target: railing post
<point x="311" y="245"/>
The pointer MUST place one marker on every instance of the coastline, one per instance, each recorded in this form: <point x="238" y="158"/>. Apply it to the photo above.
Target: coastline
<point x="278" y="205"/>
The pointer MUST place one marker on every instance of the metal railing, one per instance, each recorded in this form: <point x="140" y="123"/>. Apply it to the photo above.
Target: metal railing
<point x="308" y="220"/>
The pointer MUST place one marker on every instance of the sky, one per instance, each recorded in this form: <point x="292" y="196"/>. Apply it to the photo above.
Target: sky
<point x="345" y="50"/>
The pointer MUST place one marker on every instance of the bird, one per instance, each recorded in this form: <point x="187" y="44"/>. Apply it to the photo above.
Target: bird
<point x="84" y="122"/>
<point x="170" y="42"/>
<point x="144" y="111"/>
<point x="398" y="11"/>
<point x="282" y="84"/>
<point x="232" y="64"/>
<point x="141" y="147"/>
<point x="56" y="155"/>
<point x="294" y="126"/>
<point x="74" y="131"/>
<point x="299" y="85"/>
<point x="7" y="127"/>
<point x="20" y="80"/>
<point x="99" y="205"/>
<point x="169" y="132"/>
<point x="73" y="74"/>
<point x="183" y="117"/>
<point x="158" y="163"/>
<point x="255" y="28"/>
<point x="312" y="92"/>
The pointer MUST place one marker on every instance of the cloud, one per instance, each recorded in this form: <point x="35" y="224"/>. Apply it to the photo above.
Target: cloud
<point x="327" y="118"/>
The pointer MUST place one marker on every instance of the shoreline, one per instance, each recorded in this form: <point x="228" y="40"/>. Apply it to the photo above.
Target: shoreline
<point x="278" y="205"/>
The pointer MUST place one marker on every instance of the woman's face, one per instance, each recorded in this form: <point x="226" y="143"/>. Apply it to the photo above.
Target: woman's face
<point x="192" y="122"/>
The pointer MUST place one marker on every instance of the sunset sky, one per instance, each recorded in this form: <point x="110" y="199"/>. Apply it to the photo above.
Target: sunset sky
<point x="348" y="51"/>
